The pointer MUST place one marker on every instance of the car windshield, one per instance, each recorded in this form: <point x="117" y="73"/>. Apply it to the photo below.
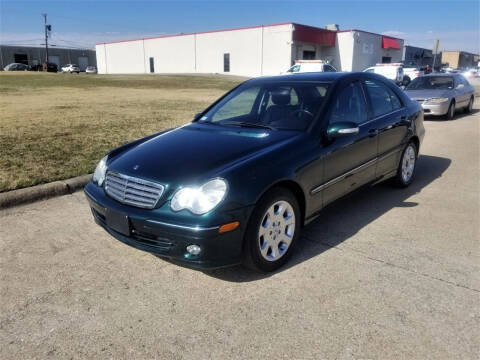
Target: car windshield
<point x="286" y="106"/>
<point x="431" y="83"/>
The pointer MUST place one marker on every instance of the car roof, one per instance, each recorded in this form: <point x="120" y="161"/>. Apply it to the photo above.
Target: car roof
<point x="441" y="74"/>
<point x="329" y="77"/>
<point x="310" y="76"/>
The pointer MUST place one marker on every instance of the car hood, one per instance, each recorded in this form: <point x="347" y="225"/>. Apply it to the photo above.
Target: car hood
<point x="426" y="94"/>
<point x="195" y="151"/>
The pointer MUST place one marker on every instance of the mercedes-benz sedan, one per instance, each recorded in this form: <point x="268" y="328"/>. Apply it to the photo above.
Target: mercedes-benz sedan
<point x="238" y="183"/>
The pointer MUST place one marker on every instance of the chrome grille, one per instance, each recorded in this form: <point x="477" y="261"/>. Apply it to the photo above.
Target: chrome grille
<point x="133" y="191"/>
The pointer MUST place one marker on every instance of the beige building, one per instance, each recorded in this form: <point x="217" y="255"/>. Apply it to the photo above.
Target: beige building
<point x="460" y="59"/>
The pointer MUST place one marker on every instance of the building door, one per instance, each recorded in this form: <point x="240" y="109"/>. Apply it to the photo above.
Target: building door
<point x="226" y="62"/>
<point x="21" y="58"/>
<point x="54" y="59"/>
<point x="308" y="55"/>
<point x="152" y="65"/>
<point x="386" y="59"/>
<point x="82" y="62"/>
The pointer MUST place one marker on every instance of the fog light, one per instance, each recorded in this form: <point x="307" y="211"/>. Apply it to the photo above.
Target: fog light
<point x="193" y="249"/>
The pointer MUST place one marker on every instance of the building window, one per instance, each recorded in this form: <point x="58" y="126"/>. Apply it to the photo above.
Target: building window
<point x="308" y="55"/>
<point x="386" y="59"/>
<point x="226" y="62"/>
<point x="152" y="65"/>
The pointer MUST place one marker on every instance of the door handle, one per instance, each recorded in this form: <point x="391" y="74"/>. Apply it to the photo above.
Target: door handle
<point x="372" y="132"/>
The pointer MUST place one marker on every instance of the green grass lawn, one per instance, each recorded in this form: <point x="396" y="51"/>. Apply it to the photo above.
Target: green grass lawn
<point x="56" y="126"/>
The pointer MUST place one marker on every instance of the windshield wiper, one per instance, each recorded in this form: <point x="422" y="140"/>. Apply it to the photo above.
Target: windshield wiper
<point x="248" y="125"/>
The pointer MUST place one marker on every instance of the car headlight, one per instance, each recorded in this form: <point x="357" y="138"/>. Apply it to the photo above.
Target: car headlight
<point x="100" y="171"/>
<point x="437" y="100"/>
<point x="200" y="200"/>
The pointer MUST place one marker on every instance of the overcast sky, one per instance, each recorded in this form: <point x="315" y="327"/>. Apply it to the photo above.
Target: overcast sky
<point x="85" y="23"/>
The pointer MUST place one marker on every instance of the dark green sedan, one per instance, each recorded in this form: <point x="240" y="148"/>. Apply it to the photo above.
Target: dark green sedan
<point x="238" y="183"/>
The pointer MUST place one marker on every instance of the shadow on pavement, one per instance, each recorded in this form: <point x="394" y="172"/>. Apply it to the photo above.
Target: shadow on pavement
<point x="345" y="217"/>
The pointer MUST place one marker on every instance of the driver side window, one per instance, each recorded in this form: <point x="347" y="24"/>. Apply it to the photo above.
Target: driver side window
<point x="349" y="105"/>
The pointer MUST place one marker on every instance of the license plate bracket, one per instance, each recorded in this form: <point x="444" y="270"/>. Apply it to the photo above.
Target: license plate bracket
<point x="118" y="221"/>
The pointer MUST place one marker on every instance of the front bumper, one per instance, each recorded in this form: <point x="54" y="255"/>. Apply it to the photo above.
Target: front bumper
<point x="150" y="233"/>
<point x="435" y="109"/>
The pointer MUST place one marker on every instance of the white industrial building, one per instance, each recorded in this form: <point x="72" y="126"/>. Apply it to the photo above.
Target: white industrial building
<point x="249" y="51"/>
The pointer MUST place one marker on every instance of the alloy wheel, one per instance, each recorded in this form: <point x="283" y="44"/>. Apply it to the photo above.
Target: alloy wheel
<point x="276" y="231"/>
<point x="408" y="163"/>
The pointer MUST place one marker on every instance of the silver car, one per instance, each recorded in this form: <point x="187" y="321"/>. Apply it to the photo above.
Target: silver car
<point x="442" y="94"/>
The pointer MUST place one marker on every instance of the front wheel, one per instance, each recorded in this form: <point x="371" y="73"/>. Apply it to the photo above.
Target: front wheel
<point x="469" y="107"/>
<point x="451" y="111"/>
<point x="407" y="166"/>
<point x="272" y="231"/>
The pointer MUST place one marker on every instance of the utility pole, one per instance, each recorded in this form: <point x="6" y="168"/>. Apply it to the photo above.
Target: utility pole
<point x="436" y="44"/>
<point x="47" y="29"/>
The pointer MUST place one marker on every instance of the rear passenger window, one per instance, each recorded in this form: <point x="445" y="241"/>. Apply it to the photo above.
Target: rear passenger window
<point x="349" y="105"/>
<point x="396" y="103"/>
<point x="379" y="97"/>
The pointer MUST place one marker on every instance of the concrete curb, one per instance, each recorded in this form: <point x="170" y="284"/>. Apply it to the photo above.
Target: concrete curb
<point x="44" y="191"/>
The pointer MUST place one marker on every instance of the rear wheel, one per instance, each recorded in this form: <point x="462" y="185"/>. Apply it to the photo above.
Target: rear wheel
<point x="451" y="111"/>
<point x="407" y="166"/>
<point x="469" y="107"/>
<point x="272" y="231"/>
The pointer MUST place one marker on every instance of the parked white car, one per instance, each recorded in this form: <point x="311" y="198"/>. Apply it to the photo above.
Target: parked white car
<point x="91" y="70"/>
<point x="471" y="74"/>
<point x="412" y="73"/>
<point x="71" y="68"/>
<point x="308" y="66"/>
<point x="393" y="72"/>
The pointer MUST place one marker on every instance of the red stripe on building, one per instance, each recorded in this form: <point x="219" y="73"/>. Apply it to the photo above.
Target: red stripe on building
<point x="390" y="43"/>
<point x="315" y="35"/>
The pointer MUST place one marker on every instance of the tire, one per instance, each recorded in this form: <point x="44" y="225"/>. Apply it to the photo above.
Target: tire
<point x="407" y="166"/>
<point x="406" y="81"/>
<point x="275" y="220"/>
<point x="468" y="109"/>
<point x="451" y="111"/>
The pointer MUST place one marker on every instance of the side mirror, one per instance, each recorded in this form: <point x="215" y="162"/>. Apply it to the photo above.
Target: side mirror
<point x="342" y="129"/>
<point x="196" y="116"/>
<point x="460" y="86"/>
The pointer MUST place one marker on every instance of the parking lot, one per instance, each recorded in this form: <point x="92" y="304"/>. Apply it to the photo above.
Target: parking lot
<point x="384" y="273"/>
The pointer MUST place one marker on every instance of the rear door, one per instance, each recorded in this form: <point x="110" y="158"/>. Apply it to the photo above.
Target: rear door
<point x="349" y="161"/>
<point x="389" y="120"/>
